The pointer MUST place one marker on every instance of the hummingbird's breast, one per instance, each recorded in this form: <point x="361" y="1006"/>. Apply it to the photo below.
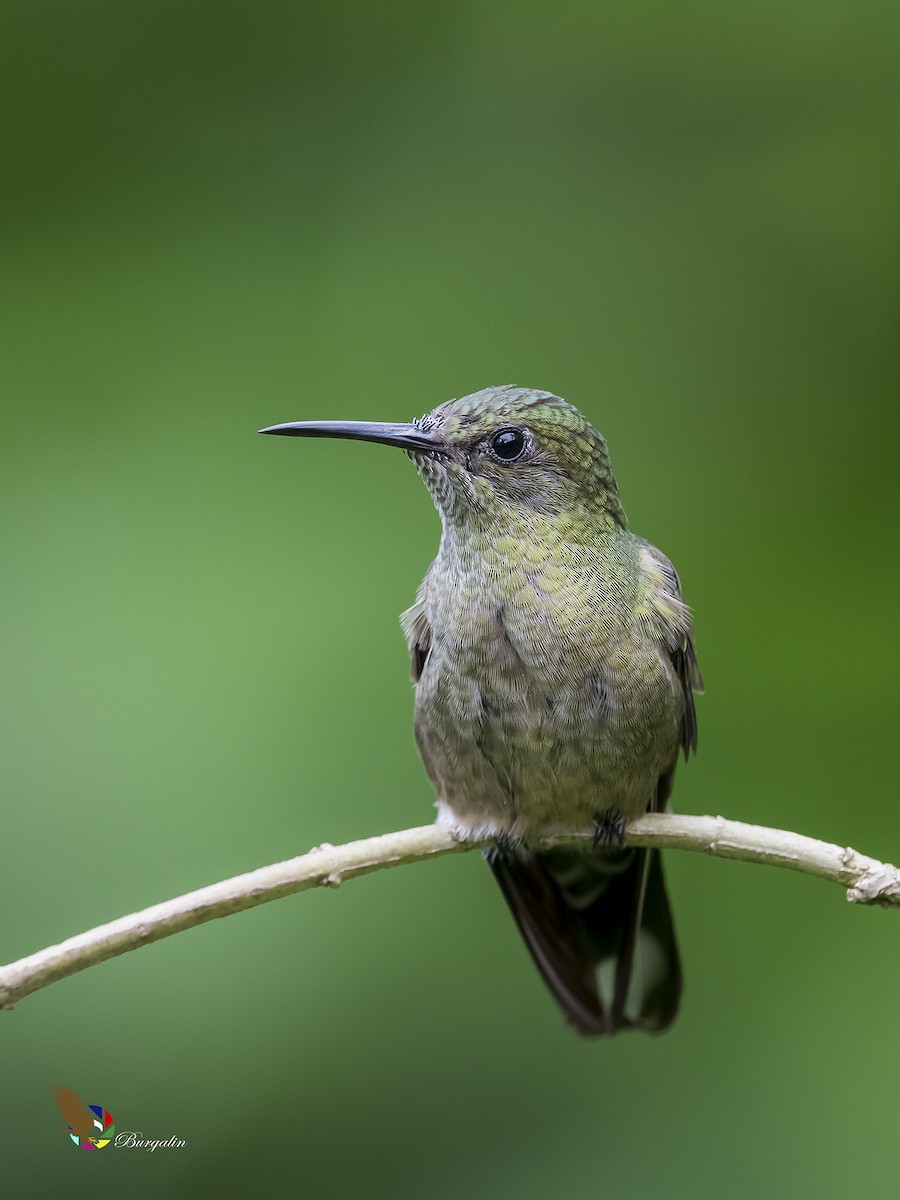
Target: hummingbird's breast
<point x="545" y="697"/>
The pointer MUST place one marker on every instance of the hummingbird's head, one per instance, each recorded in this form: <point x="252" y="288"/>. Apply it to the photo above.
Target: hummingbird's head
<point x="499" y="453"/>
<point x="508" y="448"/>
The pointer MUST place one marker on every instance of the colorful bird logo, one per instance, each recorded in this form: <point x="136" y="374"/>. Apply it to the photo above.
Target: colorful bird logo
<point x="89" y="1126"/>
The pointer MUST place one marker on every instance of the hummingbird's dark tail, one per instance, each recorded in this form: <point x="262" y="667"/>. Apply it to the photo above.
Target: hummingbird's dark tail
<point x="599" y="927"/>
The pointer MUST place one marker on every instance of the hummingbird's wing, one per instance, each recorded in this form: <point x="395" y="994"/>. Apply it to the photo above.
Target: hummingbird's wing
<point x="418" y="635"/>
<point x="684" y="660"/>
<point x="672" y="624"/>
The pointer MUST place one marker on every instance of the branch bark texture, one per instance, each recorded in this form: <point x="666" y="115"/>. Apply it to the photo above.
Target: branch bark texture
<point x="866" y="880"/>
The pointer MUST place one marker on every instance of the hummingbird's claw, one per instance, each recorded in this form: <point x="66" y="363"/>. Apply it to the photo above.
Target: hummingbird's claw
<point x="609" y="827"/>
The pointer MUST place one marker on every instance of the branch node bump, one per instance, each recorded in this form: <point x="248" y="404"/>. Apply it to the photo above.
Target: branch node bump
<point x="877" y="883"/>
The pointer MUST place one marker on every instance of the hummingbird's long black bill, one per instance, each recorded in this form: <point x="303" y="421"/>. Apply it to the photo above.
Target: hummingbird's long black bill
<point x="407" y="437"/>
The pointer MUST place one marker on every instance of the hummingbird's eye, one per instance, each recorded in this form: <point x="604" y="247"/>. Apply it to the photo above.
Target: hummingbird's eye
<point x="508" y="444"/>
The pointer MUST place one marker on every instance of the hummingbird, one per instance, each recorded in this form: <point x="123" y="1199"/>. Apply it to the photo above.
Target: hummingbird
<point x="553" y="660"/>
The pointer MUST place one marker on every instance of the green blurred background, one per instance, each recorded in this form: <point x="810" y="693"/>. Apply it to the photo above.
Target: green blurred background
<point x="217" y="216"/>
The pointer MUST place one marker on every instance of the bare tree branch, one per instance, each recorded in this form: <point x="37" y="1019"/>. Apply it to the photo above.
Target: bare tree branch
<point x="867" y="882"/>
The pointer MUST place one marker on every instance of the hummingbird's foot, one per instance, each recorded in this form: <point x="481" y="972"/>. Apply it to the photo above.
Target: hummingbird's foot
<point x="504" y="843"/>
<point x="609" y="827"/>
